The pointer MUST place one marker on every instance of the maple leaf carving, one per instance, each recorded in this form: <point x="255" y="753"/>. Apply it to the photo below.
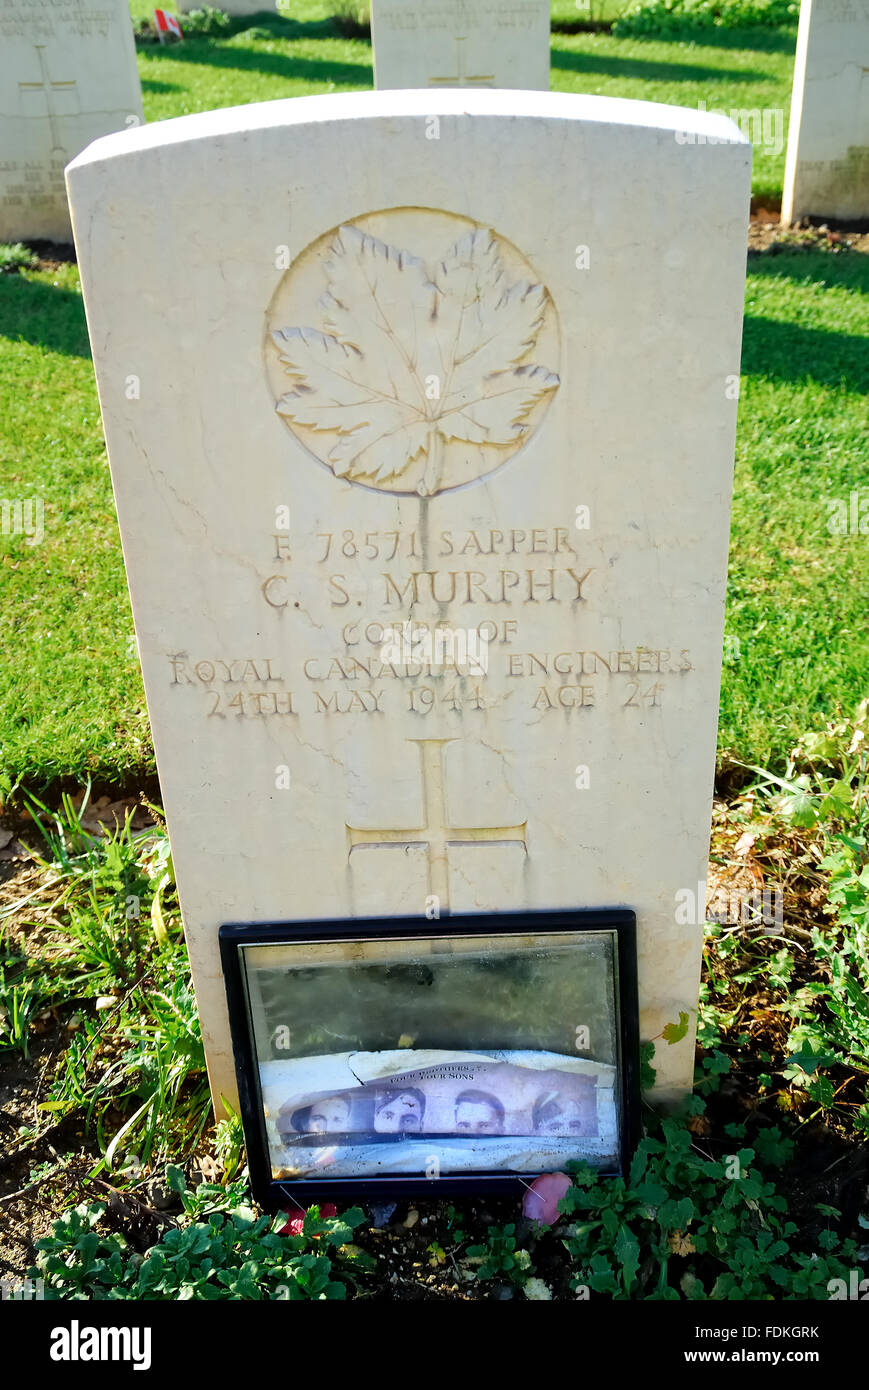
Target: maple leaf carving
<point x="406" y="360"/>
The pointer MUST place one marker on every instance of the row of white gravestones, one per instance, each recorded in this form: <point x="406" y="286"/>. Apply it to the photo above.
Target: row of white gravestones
<point x="827" y="170"/>
<point x="410" y="393"/>
<point x="67" y="76"/>
<point x="460" y="43"/>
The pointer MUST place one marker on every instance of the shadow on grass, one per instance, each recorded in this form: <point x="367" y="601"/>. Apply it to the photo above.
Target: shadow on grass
<point x="753" y="40"/>
<point x="150" y="84"/>
<point x="788" y="352"/>
<point x="849" y="269"/>
<point x="285" y="27"/>
<point x="293" y="68"/>
<point x="44" y="315"/>
<point x="571" y="60"/>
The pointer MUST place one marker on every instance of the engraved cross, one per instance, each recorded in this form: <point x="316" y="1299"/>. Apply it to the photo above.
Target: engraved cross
<point x="461" y="79"/>
<point x="48" y="87"/>
<point x="435" y="832"/>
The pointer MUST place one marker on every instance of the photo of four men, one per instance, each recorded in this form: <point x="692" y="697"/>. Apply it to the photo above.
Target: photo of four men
<point x="566" y="1106"/>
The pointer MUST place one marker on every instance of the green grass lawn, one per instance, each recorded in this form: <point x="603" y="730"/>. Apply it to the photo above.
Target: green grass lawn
<point x="70" y="691"/>
<point x="71" y="700"/>
<point x="797" y="592"/>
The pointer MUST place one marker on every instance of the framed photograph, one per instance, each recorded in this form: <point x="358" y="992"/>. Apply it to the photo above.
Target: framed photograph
<point x="398" y="1054"/>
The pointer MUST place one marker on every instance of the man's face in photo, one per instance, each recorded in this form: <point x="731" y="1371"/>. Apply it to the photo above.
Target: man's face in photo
<point x="567" y="1120"/>
<point x="401" y="1113"/>
<point x="477" y="1117"/>
<point x="329" y="1116"/>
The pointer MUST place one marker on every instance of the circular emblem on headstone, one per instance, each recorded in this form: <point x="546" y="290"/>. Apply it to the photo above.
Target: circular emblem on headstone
<point x="412" y="350"/>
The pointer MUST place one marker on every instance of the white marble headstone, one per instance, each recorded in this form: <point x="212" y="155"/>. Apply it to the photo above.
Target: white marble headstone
<point x="334" y="406"/>
<point x="67" y="75"/>
<point x="827" y="168"/>
<point x="460" y="43"/>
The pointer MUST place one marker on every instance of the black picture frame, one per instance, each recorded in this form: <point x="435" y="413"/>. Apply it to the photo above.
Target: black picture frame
<point x="271" y="1192"/>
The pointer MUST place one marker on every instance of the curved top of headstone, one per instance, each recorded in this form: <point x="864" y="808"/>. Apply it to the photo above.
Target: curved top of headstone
<point x="714" y="126"/>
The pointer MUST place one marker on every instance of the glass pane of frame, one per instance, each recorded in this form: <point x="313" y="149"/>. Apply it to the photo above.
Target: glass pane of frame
<point x="433" y="1055"/>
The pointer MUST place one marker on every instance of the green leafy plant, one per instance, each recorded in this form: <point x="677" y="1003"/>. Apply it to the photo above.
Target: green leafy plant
<point x="455" y="1224"/>
<point x="229" y="1142"/>
<point x="672" y="1033"/>
<point x="205" y="22"/>
<point x="15" y="256"/>
<point x="501" y="1257"/>
<point x="112" y="964"/>
<point x="352" y="18"/>
<point x="713" y="1066"/>
<point x="684" y="1225"/>
<point x="206" y="1197"/>
<point x="23" y="993"/>
<point x="230" y="1255"/>
<point x="825" y="790"/>
<point x="577" y="16"/>
<point x="675" y="16"/>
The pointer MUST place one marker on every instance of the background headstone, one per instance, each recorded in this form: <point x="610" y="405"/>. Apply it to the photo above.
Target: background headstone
<point x="410" y="393"/>
<point x="827" y="168"/>
<point x="460" y="43"/>
<point x="67" y="75"/>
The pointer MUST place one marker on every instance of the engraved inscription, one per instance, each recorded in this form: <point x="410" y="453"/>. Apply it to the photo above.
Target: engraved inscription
<point x="461" y="17"/>
<point x="364" y="671"/>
